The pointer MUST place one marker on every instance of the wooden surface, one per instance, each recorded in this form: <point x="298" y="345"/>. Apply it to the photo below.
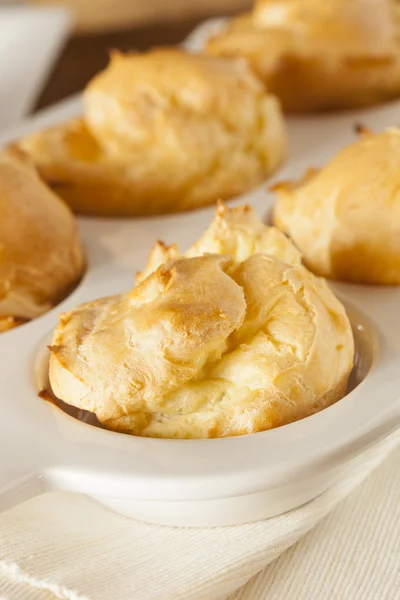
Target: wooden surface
<point x="101" y="15"/>
<point x="85" y="55"/>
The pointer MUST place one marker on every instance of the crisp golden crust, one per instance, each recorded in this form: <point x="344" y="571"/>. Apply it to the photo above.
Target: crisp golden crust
<point x="207" y="346"/>
<point x="234" y="231"/>
<point x="319" y="55"/>
<point x="149" y="144"/>
<point x="40" y="253"/>
<point x="345" y="218"/>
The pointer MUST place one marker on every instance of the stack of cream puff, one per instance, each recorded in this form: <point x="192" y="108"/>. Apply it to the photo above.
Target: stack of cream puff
<point x="41" y="258"/>
<point x="319" y="54"/>
<point x="163" y="131"/>
<point x="232" y="337"/>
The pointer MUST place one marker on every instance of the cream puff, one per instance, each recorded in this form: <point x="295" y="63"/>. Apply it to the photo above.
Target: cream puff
<point x="41" y="257"/>
<point x="208" y="345"/>
<point x="345" y="218"/>
<point x="163" y="131"/>
<point x="319" y="55"/>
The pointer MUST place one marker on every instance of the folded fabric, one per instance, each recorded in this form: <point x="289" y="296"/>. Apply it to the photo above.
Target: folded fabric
<point x="67" y="546"/>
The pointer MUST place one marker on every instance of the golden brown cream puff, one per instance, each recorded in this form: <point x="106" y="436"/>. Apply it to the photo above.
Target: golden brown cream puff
<point x="319" y="55"/>
<point x="163" y="131"/>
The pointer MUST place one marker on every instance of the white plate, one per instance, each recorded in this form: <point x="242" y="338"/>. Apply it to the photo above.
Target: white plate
<point x="30" y="39"/>
<point x="197" y="482"/>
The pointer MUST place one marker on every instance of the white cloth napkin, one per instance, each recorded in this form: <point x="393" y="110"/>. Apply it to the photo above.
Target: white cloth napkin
<point x="30" y="39"/>
<point x="67" y="546"/>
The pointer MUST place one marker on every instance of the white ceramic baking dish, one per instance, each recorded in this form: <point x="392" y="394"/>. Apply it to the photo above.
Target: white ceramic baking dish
<point x="196" y="482"/>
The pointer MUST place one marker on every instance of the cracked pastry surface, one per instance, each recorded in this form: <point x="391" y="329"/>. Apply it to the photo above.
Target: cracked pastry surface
<point x="207" y="346"/>
<point x="163" y="131"/>
<point x="234" y="231"/>
<point x="319" y="55"/>
<point x="41" y="257"/>
<point x="345" y="218"/>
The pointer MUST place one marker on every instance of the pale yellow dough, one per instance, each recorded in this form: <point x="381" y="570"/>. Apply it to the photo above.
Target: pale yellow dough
<point x="208" y="346"/>
<point x="345" y="218"/>
<point x="163" y="131"/>
<point x="235" y="231"/>
<point x="41" y="257"/>
<point x="319" y="54"/>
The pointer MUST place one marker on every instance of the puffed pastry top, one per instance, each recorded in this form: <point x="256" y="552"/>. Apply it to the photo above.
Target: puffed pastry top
<point x="235" y="231"/>
<point x="345" y="218"/>
<point x="41" y="257"/>
<point x="208" y="346"/>
<point x="163" y="131"/>
<point x="319" y="54"/>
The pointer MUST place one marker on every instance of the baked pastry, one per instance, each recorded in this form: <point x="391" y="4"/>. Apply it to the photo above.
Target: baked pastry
<point x="207" y="346"/>
<point x="237" y="232"/>
<point x="345" y="218"/>
<point x="319" y="55"/>
<point x="41" y="257"/>
<point x="163" y="131"/>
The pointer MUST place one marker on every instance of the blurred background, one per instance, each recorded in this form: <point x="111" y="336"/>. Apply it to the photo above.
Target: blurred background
<point x="101" y="25"/>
